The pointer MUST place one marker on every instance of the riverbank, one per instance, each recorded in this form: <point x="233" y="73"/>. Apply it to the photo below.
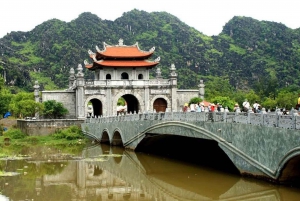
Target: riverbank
<point x="13" y="140"/>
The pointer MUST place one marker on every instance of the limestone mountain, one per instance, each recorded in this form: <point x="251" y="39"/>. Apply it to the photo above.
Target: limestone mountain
<point x="249" y="53"/>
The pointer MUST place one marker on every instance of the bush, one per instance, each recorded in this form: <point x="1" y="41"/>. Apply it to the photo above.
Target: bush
<point x="14" y="134"/>
<point x="195" y="100"/>
<point x="71" y="133"/>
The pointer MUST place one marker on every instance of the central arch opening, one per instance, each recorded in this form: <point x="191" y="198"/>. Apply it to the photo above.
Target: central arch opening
<point x="132" y="103"/>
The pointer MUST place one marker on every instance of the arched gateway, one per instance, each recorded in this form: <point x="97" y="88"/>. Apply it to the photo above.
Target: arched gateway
<point x="121" y="71"/>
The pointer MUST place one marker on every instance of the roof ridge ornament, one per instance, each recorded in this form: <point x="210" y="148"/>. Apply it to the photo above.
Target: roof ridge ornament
<point x="93" y="55"/>
<point x="121" y="42"/>
<point x="86" y="62"/>
<point x="152" y="49"/>
<point x="106" y="45"/>
<point x="157" y="59"/>
<point x="98" y="49"/>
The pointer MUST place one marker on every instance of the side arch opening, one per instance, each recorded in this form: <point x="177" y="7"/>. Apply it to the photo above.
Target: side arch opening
<point x="117" y="139"/>
<point x="94" y="108"/>
<point x="105" y="138"/>
<point x="290" y="173"/>
<point x="160" y="105"/>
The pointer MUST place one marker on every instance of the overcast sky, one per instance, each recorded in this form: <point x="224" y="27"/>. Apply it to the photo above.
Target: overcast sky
<point x="207" y="16"/>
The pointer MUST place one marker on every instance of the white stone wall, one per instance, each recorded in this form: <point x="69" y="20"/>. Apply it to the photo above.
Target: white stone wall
<point x="67" y="98"/>
<point x="185" y="95"/>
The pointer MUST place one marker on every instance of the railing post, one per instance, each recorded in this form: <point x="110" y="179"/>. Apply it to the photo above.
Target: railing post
<point x="294" y="119"/>
<point x="277" y="119"/>
<point x="248" y="117"/>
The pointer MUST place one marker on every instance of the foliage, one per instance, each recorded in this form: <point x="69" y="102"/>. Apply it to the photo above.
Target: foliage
<point x="23" y="104"/>
<point x="5" y="99"/>
<point x="71" y="133"/>
<point x="121" y="101"/>
<point x="286" y="99"/>
<point x="195" y="100"/>
<point x="14" y="134"/>
<point x="217" y="86"/>
<point x="269" y="104"/>
<point x="252" y="97"/>
<point x="224" y="101"/>
<point x="53" y="109"/>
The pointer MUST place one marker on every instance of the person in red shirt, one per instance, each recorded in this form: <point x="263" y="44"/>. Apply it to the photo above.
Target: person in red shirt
<point x="212" y="107"/>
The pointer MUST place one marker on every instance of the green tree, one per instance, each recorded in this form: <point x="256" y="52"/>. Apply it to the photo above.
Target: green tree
<point x="121" y="101"/>
<point x="23" y="104"/>
<point x="252" y="97"/>
<point x="195" y="100"/>
<point x="269" y="103"/>
<point x="53" y="109"/>
<point x="224" y="101"/>
<point x="218" y="86"/>
<point x="5" y="97"/>
<point x="286" y="99"/>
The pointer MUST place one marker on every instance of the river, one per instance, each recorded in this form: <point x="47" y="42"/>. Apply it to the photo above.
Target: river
<point x="100" y="172"/>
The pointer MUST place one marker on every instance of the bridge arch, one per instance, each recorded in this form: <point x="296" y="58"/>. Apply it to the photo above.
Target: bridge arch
<point x="289" y="167"/>
<point x="117" y="138"/>
<point x="105" y="137"/>
<point x="176" y="128"/>
<point x="135" y="106"/>
<point x="162" y="97"/>
<point x="96" y="101"/>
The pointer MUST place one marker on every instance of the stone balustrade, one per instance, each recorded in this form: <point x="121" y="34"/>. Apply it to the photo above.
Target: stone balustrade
<point x="155" y="82"/>
<point x="269" y="119"/>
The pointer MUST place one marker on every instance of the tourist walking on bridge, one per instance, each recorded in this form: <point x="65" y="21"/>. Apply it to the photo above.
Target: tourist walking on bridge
<point x="246" y="105"/>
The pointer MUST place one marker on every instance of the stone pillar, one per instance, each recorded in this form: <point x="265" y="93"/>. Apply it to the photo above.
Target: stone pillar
<point x="36" y="92"/>
<point x="158" y="73"/>
<point x="109" y="104"/>
<point x="201" y="89"/>
<point x="80" y="107"/>
<point x="36" y="95"/>
<point x="146" y="99"/>
<point x="97" y="74"/>
<point x="173" y="83"/>
<point x="71" y="77"/>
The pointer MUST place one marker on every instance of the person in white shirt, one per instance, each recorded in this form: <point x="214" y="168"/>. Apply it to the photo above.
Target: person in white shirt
<point x="246" y="105"/>
<point x="192" y="107"/>
<point x="255" y="107"/>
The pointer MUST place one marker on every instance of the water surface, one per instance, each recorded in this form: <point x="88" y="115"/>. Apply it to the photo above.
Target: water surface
<point x="100" y="172"/>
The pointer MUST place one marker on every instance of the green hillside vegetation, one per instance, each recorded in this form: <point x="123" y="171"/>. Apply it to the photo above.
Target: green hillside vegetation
<point x="248" y="55"/>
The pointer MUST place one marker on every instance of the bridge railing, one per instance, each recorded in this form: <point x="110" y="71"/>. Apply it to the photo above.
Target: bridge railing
<point x="269" y="120"/>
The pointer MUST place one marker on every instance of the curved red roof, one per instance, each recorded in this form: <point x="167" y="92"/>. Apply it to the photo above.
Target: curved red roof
<point x="124" y="64"/>
<point x="123" y="52"/>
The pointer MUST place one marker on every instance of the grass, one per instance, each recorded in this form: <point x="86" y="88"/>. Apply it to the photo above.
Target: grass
<point x="71" y="140"/>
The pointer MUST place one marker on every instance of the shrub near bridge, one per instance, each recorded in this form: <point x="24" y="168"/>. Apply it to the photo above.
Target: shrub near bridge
<point x="71" y="133"/>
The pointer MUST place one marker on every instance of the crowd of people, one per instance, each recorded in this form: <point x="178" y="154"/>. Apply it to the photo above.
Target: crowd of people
<point x="200" y="107"/>
<point x="246" y="107"/>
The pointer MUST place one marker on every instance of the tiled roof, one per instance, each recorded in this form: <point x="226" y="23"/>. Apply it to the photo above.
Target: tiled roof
<point x="123" y="52"/>
<point x="124" y="64"/>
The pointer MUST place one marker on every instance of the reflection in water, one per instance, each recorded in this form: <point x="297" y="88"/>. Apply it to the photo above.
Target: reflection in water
<point x="111" y="173"/>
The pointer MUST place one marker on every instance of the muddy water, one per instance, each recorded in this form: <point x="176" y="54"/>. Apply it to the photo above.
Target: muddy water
<point x="109" y="173"/>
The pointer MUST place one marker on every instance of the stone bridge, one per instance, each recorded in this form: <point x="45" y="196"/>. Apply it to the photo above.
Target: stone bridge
<point x="262" y="145"/>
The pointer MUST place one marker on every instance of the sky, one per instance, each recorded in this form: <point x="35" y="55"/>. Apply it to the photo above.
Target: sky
<point x="207" y="16"/>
